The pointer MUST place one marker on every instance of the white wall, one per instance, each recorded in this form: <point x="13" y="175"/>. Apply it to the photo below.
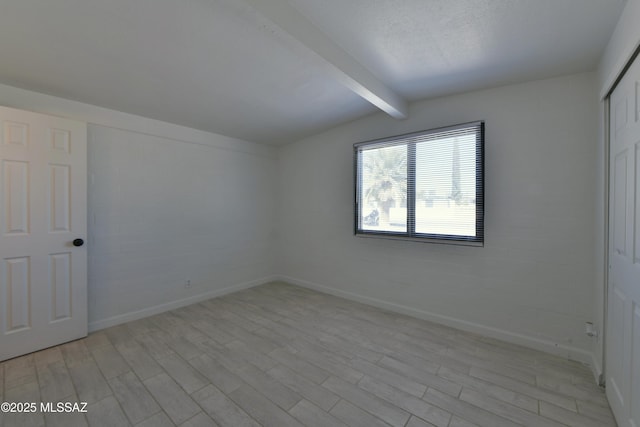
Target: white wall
<point x="166" y="204"/>
<point x="163" y="211"/>
<point x="532" y="283"/>
<point x="623" y="43"/>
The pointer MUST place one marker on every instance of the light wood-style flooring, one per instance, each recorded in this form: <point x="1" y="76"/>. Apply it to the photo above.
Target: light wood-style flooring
<point x="280" y="355"/>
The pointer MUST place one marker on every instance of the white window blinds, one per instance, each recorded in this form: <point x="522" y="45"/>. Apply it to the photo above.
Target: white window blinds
<point x="425" y="185"/>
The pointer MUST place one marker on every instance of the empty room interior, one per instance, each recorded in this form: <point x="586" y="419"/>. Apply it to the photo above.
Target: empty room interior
<point x="320" y="213"/>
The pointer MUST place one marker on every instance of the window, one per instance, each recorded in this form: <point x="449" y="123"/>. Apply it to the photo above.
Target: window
<point x="426" y="185"/>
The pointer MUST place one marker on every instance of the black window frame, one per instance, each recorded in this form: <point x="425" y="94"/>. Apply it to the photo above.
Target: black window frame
<point x="411" y="139"/>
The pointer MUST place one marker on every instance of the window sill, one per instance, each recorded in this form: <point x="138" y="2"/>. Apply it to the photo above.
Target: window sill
<point x="386" y="236"/>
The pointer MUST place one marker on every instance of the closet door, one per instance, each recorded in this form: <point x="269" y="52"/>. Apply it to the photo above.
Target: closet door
<point x="623" y="330"/>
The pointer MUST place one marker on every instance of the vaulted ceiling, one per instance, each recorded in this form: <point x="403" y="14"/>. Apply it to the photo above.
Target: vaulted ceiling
<point x="273" y="71"/>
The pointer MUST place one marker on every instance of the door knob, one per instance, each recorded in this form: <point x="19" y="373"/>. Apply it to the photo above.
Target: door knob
<point x="78" y="242"/>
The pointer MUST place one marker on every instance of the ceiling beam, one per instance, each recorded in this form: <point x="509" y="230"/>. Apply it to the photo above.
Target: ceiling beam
<point x="344" y="67"/>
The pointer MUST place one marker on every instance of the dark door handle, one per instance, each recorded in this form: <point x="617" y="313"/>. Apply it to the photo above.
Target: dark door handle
<point x="78" y="242"/>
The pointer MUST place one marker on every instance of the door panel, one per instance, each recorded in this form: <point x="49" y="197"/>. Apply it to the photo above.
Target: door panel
<point x="623" y="318"/>
<point x="16" y="191"/>
<point x="18" y="285"/>
<point x="60" y="201"/>
<point x="16" y="134"/>
<point x="60" y="273"/>
<point x="43" y="277"/>
<point x="620" y="204"/>
<point x="615" y="360"/>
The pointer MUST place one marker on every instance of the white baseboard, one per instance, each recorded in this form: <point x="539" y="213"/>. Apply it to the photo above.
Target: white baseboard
<point x="572" y="353"/>
<point x="557" y="349"/>
<point x="156" y="309"/>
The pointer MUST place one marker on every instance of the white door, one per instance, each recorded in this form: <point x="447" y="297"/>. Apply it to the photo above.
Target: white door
<point x="43" y="198"/>
<point x="623" y="330"/>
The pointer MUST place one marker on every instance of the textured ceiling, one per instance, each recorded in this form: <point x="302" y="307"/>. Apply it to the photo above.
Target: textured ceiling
<point x="224" y="67"/>
<point x="426" y="48"/>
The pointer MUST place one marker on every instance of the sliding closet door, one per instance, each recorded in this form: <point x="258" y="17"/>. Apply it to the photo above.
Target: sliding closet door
<point x="623" y="331"/>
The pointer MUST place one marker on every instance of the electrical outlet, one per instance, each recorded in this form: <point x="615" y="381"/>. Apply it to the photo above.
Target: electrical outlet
<point x="187" y="283"/>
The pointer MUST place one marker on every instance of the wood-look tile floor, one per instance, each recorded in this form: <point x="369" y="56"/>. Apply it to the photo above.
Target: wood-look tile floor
<point x="280" y="355"/>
